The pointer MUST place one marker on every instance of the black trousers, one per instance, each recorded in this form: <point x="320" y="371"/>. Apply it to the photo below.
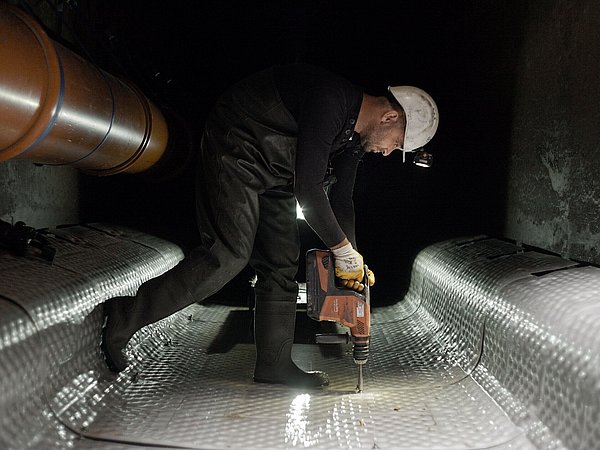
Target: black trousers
<point x="246" y="208"/>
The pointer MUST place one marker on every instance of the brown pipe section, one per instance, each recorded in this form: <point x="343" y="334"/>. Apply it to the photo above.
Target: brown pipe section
<point x="58" y="109"/>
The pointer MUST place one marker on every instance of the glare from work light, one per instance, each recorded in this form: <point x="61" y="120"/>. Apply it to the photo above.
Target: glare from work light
<point x="298" y="432"/>
<point x="423" y="159"/>
<point x="299" y="213"/>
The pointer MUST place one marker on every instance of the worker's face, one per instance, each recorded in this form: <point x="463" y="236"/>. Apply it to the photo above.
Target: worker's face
<point x="385" y="136"/>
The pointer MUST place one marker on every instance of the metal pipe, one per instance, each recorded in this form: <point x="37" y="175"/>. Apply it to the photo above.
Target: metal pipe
<point x="58" y="109"/>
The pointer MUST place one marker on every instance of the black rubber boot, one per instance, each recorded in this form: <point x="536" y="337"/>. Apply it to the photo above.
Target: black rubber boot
<point x="116" y="333"/>
<point x="274" y="336"/>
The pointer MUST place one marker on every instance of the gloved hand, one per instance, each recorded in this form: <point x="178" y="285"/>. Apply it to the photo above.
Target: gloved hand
<point x="348" y="263"/>
<point x="355" y="285"/>
<point x="370" y="277"/>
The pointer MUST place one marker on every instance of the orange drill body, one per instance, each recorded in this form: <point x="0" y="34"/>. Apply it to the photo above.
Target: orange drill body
<point x="326" y="301"/>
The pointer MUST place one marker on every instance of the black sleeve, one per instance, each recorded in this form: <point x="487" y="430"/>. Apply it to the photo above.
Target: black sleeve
<point x="321" y="120"/>
<point x="340" y="194"/>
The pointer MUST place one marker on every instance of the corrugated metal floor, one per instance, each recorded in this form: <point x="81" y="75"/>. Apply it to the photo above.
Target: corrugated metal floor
<point x="190" y="386"/>
<point x="492" y="347"/>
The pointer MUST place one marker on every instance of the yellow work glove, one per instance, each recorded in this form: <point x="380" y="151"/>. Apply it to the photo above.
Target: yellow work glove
<point x="350" y="268"/>
<point x="370" y="277"/>
<point x="355" y="285"/>
<point x="348" y="263"/>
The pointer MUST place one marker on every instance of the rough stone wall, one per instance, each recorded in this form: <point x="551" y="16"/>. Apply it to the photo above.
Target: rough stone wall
<point x="40" y="196"/>
<point x="554" y="175"/>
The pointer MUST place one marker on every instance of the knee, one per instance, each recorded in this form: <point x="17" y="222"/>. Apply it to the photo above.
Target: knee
<point x="218" y="259"/>
<point x="276" y="284"/>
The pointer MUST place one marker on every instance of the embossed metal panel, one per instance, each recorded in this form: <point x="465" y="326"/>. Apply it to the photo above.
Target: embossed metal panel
<point x="50" y="322"/>
<point x="492" y="347"/>
<point x="185" y="389"/>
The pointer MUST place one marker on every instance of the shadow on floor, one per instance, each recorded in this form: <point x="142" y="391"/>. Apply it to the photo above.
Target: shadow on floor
<point x="238" y="328"/>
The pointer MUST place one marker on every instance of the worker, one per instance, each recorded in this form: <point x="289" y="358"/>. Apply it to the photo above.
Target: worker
<point x="271" y="139"/>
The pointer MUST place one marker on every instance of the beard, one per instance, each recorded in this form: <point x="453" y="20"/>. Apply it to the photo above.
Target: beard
<point x="372" y="138"/>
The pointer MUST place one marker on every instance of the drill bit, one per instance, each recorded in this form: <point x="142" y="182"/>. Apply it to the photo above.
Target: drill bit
<point x="359" y="386"/>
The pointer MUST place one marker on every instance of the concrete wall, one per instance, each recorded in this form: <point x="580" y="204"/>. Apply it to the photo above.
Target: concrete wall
<point x="554" y="175"/>
<point x="40" y="196"/>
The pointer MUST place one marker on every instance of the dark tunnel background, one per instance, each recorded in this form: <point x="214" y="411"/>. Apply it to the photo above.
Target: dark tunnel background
<point x="183" y="54"/>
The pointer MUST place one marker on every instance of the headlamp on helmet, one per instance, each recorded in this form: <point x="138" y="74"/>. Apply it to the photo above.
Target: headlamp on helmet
<point x="422" y="117"/>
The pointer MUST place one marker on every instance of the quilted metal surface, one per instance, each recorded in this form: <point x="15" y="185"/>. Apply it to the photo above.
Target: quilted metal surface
<point x="190" y="388"/>
<point x="492" y="347"/>
<point x="16" y="330"/>
<point x="27" y="421"/>
<point x="51" y="317"/>
<point x="549" y="323"/>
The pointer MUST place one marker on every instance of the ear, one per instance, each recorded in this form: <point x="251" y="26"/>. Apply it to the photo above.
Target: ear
<point x="390" y="116"/>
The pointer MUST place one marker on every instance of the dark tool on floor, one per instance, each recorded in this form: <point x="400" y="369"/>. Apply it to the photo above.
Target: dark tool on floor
<point x="20" y="238"/>
<point x="326" y="301"/>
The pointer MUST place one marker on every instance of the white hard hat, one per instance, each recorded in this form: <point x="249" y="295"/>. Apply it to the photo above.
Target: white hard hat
<point x="422" y="116"/>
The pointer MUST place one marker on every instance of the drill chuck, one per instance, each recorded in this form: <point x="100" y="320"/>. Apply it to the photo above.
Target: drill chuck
<point x="360" y="352"/>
